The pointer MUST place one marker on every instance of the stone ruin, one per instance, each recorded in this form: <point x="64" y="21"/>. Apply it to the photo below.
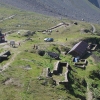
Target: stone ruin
<point x="57" y="71"/>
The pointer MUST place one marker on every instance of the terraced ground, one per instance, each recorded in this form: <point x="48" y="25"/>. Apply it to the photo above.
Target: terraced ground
<point x="74" y="9"/>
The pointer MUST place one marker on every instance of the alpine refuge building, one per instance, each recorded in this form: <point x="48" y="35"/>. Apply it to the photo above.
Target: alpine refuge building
<point x="79" y="49"/>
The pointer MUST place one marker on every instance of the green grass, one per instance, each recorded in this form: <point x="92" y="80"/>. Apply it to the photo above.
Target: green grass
<point x="26" y="20"/>
<point x="30" y="87"/>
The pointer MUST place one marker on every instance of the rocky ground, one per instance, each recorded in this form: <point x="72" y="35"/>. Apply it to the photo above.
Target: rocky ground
<point x="74" y="9"/>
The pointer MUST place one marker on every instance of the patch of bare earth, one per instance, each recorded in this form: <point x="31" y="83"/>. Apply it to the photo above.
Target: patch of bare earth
<point x="12" y="81"/>
<point x="89" y="94"/>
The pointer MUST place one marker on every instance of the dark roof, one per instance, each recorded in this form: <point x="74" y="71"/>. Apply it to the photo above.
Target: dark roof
<point x="80" y="48"/>
<point x="53" y="55"/>
<point x="0" y="34"/>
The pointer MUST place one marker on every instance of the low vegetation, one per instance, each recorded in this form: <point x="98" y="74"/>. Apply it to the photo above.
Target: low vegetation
<point x="24" y="77"/>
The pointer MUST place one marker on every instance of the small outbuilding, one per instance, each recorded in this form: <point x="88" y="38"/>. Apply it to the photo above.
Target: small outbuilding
<point x="79" y="49"/>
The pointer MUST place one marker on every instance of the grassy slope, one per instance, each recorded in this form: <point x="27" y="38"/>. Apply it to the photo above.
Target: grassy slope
<point x="26" y="20"/>
<point x="26" y="86"/>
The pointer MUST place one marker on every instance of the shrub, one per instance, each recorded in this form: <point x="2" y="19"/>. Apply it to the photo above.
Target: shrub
<point x="95" y="74"/>
<point x="28" y="33"/>
<point x="56" y="49"/>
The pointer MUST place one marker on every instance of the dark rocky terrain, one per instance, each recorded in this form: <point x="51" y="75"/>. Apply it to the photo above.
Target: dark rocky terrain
<point x="95" y="2"/>
<point x="89" y="10"/>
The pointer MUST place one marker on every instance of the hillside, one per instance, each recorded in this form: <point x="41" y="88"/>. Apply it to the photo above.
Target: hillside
<point x="73" y="9"/>
<point x="29" y="65"/>
<point x="96" y="3"/>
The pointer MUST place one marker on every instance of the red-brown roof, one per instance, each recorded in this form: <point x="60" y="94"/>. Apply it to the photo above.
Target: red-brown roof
<point x="80" y="48"/>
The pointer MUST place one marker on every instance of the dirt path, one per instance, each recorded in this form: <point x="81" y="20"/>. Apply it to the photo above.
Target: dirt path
<point x="3" y="68"/>
<point x="13" y="50"/>
<point x="93" y="28"/>
<point x="89" y="94"/>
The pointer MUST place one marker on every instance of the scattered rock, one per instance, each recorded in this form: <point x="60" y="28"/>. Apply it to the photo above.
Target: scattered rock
<point x="27" y="67"/>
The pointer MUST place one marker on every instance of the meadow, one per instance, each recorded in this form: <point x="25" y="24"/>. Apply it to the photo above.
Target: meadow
<point x="23" y="77"/>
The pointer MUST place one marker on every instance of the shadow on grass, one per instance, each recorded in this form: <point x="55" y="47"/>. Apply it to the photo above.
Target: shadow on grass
<point x="88" y="54"/>
<point x="72" y="90"/>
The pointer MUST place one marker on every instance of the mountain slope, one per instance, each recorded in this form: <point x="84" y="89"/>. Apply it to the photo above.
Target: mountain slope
<point x="95" y="2"/>
<point x="74" y="9"/>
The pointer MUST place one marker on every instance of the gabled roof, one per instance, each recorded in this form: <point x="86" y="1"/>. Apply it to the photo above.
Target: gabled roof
<point x="80" y="47"/>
